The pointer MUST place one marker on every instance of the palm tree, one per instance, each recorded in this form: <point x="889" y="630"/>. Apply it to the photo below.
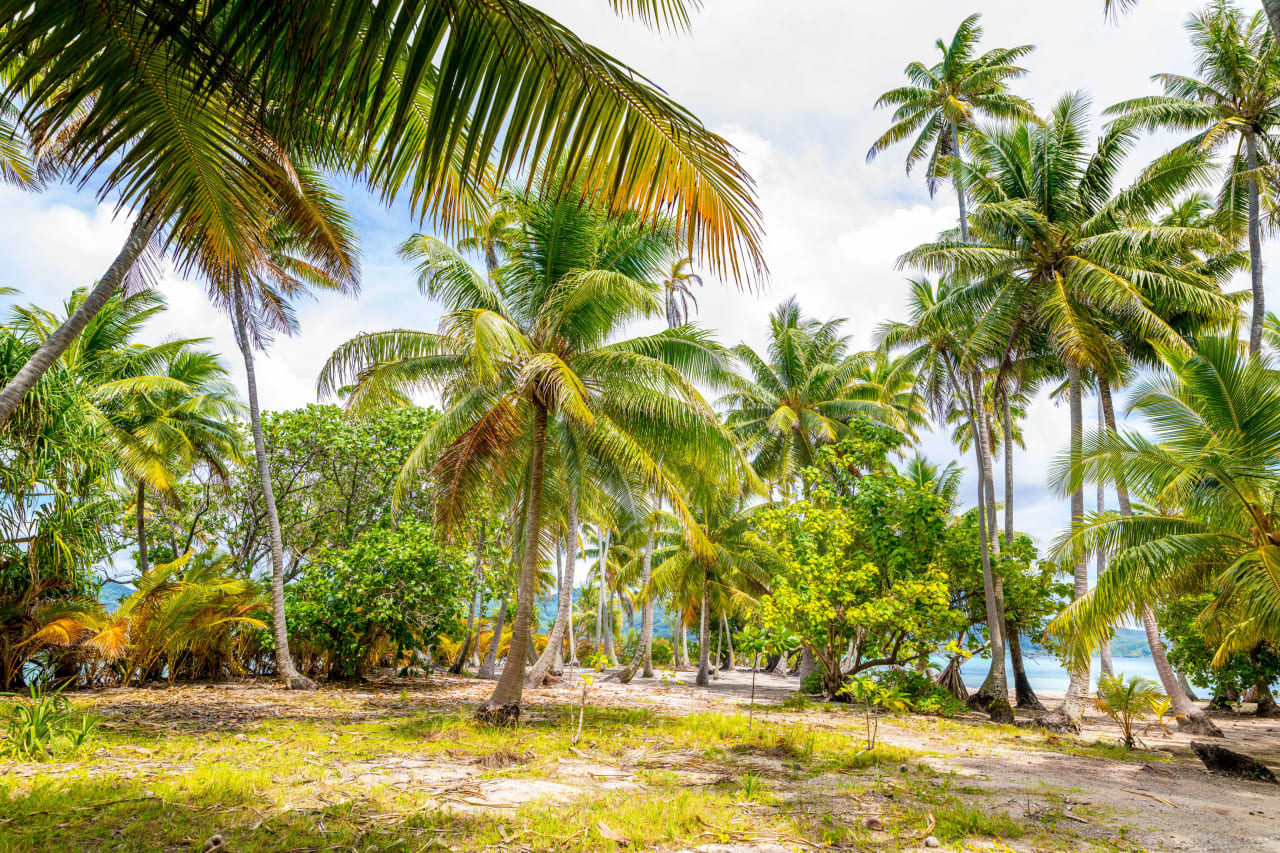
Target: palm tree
<point x="949" y="374"/>
<point x="536" y="346"/>
<point x="1059" y="251"/>
<point x="786" y="403"/>
<point x="1209" y="479"/>
<point x="257" y="298"/>
<point x="678" y="286"/>
<point x="1235" y="99"/>
<point x="892" y="393"/>
<point x="941" y="102"/>
<point x="161" y="427"/>
<point x="184" y="110"/>
<point x="1270" y="7"/>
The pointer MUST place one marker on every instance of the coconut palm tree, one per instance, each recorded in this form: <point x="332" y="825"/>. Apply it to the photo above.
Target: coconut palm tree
<point x="537" y="345"/>
<point x="787" y="402"/>
<point x="1209" y="479"/>
<point x="1233" y="101"/>
<point x="184" y="111"/>
<point x="1270" y="7"/>
<point x="678" y="285"/>
<point x="258" y="301"/>
<point x="1058" y="250"/>
<point x="940" y="104"/>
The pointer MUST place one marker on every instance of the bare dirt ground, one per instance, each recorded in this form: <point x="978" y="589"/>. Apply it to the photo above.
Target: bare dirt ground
<point x="1159" y="799"/>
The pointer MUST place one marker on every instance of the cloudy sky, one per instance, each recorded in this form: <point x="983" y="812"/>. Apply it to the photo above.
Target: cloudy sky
<point x="792" y="85"/>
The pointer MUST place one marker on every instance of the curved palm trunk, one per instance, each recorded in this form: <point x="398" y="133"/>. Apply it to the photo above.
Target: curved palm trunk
<point x="503" y="706"/>
<point x="564" y="598"/>
<point x="1078" y="686"/>
<point x="490" y="661"/>
<point x="477" y="598"/>
<point x="285" y="669"/>
<point x="143" y="565"/>
<point x="993" y="697"/>
<point x="642" y="656"/>
<point x="609" y="652"/>
<point x="1190" y="717"/>
<point x="56" y="344"/>
<point x="1272" y="8"/>
<point x="732" y="663"/>
<point x="704" y="637"/>
<point x="1255" y="246"/>
<point x="1024" y="696"/>
<point x="964" y="214"/>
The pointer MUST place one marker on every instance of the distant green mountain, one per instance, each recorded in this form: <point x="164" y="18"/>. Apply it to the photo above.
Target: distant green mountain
<point x="111" y="593"/>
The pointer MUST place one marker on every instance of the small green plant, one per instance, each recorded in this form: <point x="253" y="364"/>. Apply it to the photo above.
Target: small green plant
<point x="867" y="692"/>
<point x="1127" y="701"/>
<point x="1161" y="709"/>
<point x="797" y="702"/>
<point x="811" y="684"/>
<point x="750" y="784"/>
<point x="923" y="695"/>
<point x="42" y="726"/>
<point x="598" y="662"/>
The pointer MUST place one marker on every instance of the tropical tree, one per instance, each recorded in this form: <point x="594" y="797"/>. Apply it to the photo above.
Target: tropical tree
<point x="678" y="285"/>
<point x="1208" y="479"/>
<point x="941" y="102"/>
<point x="191" y="122"/>
<point x="1233" y="101"/>
<point x="1059" y="251"/>
<point x="794" y="398"/>
<point x="536" y="346"/>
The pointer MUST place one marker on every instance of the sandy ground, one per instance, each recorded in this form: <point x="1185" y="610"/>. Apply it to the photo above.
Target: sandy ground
<point x="1170" y="805"/>
<point x="1167" y="805"/>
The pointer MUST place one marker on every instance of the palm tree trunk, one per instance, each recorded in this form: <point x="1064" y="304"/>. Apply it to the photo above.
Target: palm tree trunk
<point x="1078" y="686"/>
<point x="1255" y="245"/>
<point x="642" y="656"/>
<point x="994" y="693"/>
<point x="141" y="506"/>
<point x="285" y="669"/>
<point x="503" y="706"/>
<point x="1272" y="8"/>
<point x="56" y="344"/>
<point x="608" y="628"/>
<point x="600" y="575"/>
<point x="557" y="662"/>
<point x="1190" y="717"/>
<point x="1024" y="696"/>
<point x="704" y="637"/>
<point x="684" y="642"/>
<point x="1104" y="651"/>
<point x="476" y="598"/>
<point x="964" y="214"/>
<point x="490" y="661"/>
<point x="564" y="598"/>
<point x="728" y="641"/>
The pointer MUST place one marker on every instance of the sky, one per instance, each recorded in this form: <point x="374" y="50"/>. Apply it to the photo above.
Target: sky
<point x="792" y="85"/>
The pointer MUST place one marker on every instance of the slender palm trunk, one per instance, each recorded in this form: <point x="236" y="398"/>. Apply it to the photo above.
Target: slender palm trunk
<point x="964" y="213"/>
<point x="642" y="656"/>
<point x="684" y="643"/>
<point x="564" y="598"/>
<point x="285" y="669"/>
<point x="557" y="662"/>
<point x="608" y="629"/>
<point x="1255" y="245"/>
<point x="704" y="637"/>
<point x="510" y="687"/>
<point x="1104" y="652"/>
<point x="490" y="661"/>
<point x="571" y="543"/>
<point x="994" y="693"/>
<point x="1024" y="696"/>
<point x="1078" y="686"/>
<point x="141" y="506"/>
<point x="1190" y="717"/>
<point x="600" y="574"/>
<point x="56" y="344"/>
<point x="1272" y="8"/>
<point x="728" y="641"/>
<point x="477" y="597"/>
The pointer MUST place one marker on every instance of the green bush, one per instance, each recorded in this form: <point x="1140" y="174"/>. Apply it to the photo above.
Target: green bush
<point x="922" y="694"/>
<point x="394" y="589"/>
<point x="42" y="727"/>
<point x="662" y="651"/>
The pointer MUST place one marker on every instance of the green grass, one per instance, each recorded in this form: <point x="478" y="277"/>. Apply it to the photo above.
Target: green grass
<point x="320" y="774"/>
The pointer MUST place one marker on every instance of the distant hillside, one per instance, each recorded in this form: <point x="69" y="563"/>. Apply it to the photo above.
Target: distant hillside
<point x="111" y="594"/>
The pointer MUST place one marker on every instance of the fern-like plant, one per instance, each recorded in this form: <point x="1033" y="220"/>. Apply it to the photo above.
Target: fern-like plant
<point x="1128" y="700"/>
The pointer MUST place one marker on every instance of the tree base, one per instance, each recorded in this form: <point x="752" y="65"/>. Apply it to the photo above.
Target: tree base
<point x="997" y="707"/>
<point x="1058" y="722"/>
<point x="1267" y="709"/>
<point x="1218" y="759"/>
<point x="1031" y="703"/>
<point x="499" y="716"/>
<point x="298" y="681"/>
<point x="1198" y="723"/>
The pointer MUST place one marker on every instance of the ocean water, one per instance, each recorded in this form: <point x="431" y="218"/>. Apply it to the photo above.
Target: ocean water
<point x="1046" y="672"/>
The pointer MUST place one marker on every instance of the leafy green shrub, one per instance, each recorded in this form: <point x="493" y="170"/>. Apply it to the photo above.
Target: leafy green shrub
<point x="1128" y="700"/>
<point x="662" y="651"/>
<point x="797" y="702"/>
<point x="42" y="727"/>
<point x="922" y="695"/>
<point x="393" y="588"/>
